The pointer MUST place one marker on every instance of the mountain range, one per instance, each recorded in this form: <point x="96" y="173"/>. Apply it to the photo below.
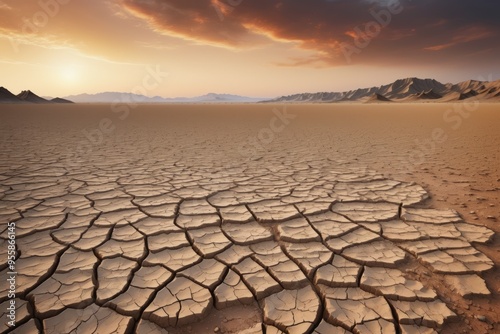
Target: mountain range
<point x="406" y="90"/>
<point x="111" y="97"/>
<point x="26" y="96"/>
<point x="403" y="90"/>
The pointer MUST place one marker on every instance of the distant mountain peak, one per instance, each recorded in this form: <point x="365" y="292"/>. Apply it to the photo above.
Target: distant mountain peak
<point x="429" y="95"/>
<point x="7" y="97"/>
<point x="109" y="97"/>
<point x="411" y="89"/>
<point x="378" y="97"/>
<point x="26" y="96"/>
<point x="29" y="96"/>
<point x="59" y="100"/>
<point x="411" y="80"/>
<point x="26" y="93"/>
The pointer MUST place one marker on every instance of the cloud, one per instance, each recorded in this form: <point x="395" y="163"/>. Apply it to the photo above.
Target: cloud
<point x="466" y="35"/>
<point x="123" y="29"/>
<point x="323" y="26"/>
<point x="4" y="6"/>
<point x="96" y="28"/>
<point x="209" y="22"/>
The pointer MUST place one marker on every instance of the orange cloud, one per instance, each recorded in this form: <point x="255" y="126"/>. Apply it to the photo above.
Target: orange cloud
<point x="469" y="35"/>
<point x="320" y="26"/>
<point x="122" y="29"/>
<point x="95" y="28"/>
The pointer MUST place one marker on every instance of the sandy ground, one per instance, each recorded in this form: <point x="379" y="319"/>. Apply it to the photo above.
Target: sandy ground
<point x="451" y="150"/>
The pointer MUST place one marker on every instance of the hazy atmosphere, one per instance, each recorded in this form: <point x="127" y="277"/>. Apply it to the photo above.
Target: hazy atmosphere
<point x="256" y="48"/>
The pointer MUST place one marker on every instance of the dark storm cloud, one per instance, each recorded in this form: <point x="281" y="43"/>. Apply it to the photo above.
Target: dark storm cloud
<point x="424" y="31"/>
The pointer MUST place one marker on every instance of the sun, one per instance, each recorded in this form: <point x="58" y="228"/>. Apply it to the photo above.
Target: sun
<point x="69" y="73"/>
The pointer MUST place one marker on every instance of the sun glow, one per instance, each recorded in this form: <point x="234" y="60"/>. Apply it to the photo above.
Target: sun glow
<point x="69" y="73"/>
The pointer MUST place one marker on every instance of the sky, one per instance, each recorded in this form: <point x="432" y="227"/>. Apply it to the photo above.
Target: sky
<point x="258" y="48"/>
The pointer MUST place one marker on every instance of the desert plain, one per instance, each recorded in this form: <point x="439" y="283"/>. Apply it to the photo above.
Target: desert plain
<point x="256" y="218"/>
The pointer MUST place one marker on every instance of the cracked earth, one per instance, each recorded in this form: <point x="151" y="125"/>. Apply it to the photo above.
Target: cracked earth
<point x="115" y="243"/>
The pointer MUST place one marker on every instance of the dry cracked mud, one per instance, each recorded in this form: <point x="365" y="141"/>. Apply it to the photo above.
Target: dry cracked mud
<point x="120" y="244"/>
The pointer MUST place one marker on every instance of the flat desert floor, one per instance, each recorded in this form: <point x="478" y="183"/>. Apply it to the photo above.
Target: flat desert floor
<point x="343" y="218"/>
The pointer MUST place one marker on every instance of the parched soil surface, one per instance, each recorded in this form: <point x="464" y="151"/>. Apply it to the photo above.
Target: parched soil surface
<point x="251" y="218"/>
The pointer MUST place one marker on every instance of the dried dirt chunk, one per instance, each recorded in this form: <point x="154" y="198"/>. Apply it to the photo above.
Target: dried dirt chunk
<point x="190" y="222"/>
<point x="293" y="311"/>
<point x="273" y="211"/>
<point x="297" y="230"/>
<point x="367" y="212"/>
<point x="173" y="259"/>
<point x="246" y="233"/>
<point x="235" y="214"/>
<point x="309" y="255"/>
<point x="377" y="254"/>
<point x="196" y="207"/>
<point x="208" y="273"/>
<point x="63" y="290"/>
<point x="475" y="233"/>
<point x="181" y="302"/>
<point x="148" y="327"/>
<point x="257" y="279"/>
<point x="457" y="261"/>
<point x="392" y="284"/>
<point x="92" y="319"/>
<point x="232" y="292"/>
<point x="326" y="328"/>
<point x="113" y="276"/>
<point x="209" y="241"/>
<point x="428" y="314"/>
<point x="468" y="285"/>
<point x="355" y="309"/>
<point x="432" y="216"/>
<point x="340" y="273"/>
<point x="356" y="237"/>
